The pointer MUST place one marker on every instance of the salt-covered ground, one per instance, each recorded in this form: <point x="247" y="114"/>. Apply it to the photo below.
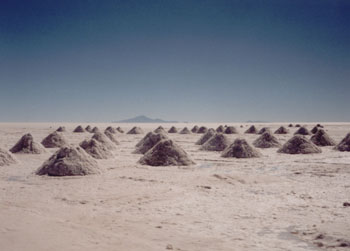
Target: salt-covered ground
<point x="276" y="202"/>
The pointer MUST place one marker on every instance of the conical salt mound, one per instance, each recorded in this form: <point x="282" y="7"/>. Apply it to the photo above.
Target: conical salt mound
<point x="95" y="130"/>
<point x="210" y="133"/>
<point x="266" y="140"/>
<point x="69" y="161"/>
<point x="27" y="145"/>
<point x="53" y="140"/>
<point x="202" y="129"/>
<point x="79" y="129"/>
<point x="218" y="142"/>
<point x="185" y="131"/>
<point x="231" y="130"/>
<point x="195" y="129"/>
<point x="100" y="137"/>
<point x="166" y="153"/>
<point x="135" y="130"/>
<point x="251" y="130"/>
<point x="88" y="128"/>
<point x="160" y="127"/>
<point x="314" y="130"/>
<point x="240" y="149"/>
<point x="112" y="137"/>
<point x="302" y="131"/>
<point x="96" y="149"/>
<point x="263" y="130"/>
<point x="172" y="130"/>
<point x="220" y="129"/>
<point x="297" y="125"/>
<point x="149" y="141"/>
<point x="6" y="158"/>
<point x="61" y="129"/>
<point x="111" y="130"/>
<point x="119" y="129"/>
<point x="321" y="138"/>
<point x="160" y="130"/>
<point x="298" y="144"/>
<point x="281" y="130"/>
<point x="344" y="145"/>
<point x="290" y="125"/>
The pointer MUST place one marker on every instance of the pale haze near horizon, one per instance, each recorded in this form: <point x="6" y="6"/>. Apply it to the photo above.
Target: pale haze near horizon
<point x="226" y="61"/>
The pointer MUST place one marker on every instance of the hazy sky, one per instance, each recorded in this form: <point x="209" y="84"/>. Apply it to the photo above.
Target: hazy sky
<point x="217" y="60"/>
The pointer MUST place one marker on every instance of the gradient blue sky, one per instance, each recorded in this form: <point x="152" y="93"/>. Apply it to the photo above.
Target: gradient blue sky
<point x="184" y="60"/>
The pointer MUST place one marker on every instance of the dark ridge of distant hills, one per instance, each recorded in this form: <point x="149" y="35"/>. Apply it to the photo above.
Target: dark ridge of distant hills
<point x="143" y="119"/>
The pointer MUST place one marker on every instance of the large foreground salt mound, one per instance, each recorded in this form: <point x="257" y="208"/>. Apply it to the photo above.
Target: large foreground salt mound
<point x="166" y="153"/>
<point x="267" y="140"/>
<point x="6" y="158"/>
<point x="27" y="145"/>
<point x="69" y="161"/>
<point x="218" y="142"/>
<point x="96" y="149"/>
<point x="344" y="145"/>
<point x="240" y="149"/>
<point x="53" y="140"/>
<point x="298" y="144"/>
<point x="205" y="137"/>
<point x="321" y="138"/>
<point x="135" y="130"/>
<point x="149" y="141"/>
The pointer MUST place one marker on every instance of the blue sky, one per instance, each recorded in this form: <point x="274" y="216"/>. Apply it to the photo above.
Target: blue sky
<point x="178" y="60"/>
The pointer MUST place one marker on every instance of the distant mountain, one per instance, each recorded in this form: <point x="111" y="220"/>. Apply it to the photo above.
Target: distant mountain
<point x="144" y="119"/>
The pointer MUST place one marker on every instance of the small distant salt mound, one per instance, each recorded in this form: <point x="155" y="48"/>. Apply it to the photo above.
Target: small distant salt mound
<point x="88" y="128"/>
<point x="79" y="129"/>
<point x="119" y="129"/>
<point x="220" y="129"/>
<point x="230" y="130"/>
<point x="100" y="137"/>
<point x="302" y="131"/>
<point x="266" y="140"/>
<point x="185" y="131"/>
<point x="263" y="130"/>
<point x="96" y="149"/>
<point x="218" y="142"/>
<point x="111" y="130"/>
<point x="281" y="130"/>
<point x="297" y="125"/>
<point x="149" y="141"/>
<point x="61" y="129"/>
<point x="298" y="144"/>
<point x="135" y="130"/>
<point x="290" y="125"/>
<point x="95" y="130"/>
<point x="172" y="130"/>
<point x="112" y="137"/>
<point x="195" y="129"/>
<point x="240" y="149"/>
<point x="321" y="138"/>
<point x="69" y="161"/>
<point x="160" y="130"/>
<point x="251" y="130"/>
<point x="27" y="145"/>
<point x="319" y="125"/>
<point x="53" y="140"/>
<point x="202" y="129"/>
<point x="6" y="158"/>
<point x="166" y="153"/>
<point x="344" y="145"/>
<point x="314" y="130"/>
<point x="205" y="137"/>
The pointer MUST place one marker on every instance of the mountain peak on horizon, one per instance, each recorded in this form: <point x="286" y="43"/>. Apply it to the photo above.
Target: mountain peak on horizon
<point x="144" y="119"/>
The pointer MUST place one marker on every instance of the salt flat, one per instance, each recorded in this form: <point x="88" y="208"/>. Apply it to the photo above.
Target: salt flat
<point x="276" y="202"/>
